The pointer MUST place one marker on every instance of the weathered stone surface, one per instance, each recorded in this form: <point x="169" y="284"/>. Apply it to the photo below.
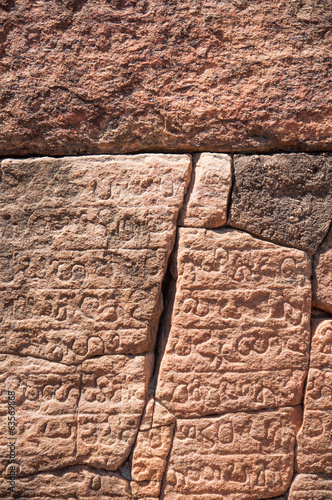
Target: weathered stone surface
<point x="150" y="453"/>
<point x="311" y="487"/>
<point x="206" y="202"/>
<point x="73" y="483"/>
<point x="236" y="456"/>
<point x="239" y="329"/>
<point x="284" y="198"/>
<point x="94" y="76"/>
<point x="314" y="450"/>
<point x="114" y="390"/>
<point x="88" y="414"/>
<point x="322" y="282"/>
<point x="85" y="244"/>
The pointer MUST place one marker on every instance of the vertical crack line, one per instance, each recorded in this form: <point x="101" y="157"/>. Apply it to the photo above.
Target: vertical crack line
<point x="163" y="479"/>
<point x="230" y="195"/>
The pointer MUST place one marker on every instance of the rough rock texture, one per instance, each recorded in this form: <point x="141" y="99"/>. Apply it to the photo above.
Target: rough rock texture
<point x="311" y="487"/>
<point x="236" y="456"/>
<point x="66" y="415"/>
<point x="206" y="202"/>
<point x="95" y="76"/>
<point x="79" y="483"/>
<point x="283" y="198"/>
<point x="85" y="244"/>
<point x="239" y="329"/>
<point x="314" y="450"/>
<point x="151" y="450"/>
<point x="322" y="282"/>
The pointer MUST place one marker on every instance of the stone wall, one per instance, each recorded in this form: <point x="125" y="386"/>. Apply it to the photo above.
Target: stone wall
<point x="166" y="327"/>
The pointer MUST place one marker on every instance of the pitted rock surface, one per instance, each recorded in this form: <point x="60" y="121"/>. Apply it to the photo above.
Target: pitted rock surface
<point x="322" y="282"/>
<point x="284" y="198"/>
<point x="239" y="330"/>
<point x="314" y="449"/>
<point x="236" y="456"/>
<point x="85" y="244"/>
<point x="88" y="414"/>
<point x="207" y="199"/>
<point x="311" y="487"/>
<point x="100" y="76"/>
<point x="81" y="483"/>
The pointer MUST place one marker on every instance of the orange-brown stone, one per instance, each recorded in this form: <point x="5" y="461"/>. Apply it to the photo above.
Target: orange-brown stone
<point x="239" y="330"/>
<point x="101" y="76"/>
<point x="85" y="244"/>
<point x="311" y="487"/>
<point x="236" y="456"/>
<point x="151" y="450"/>
<point x="206" y="202"/>
<point x="314" y="448"/>
<point x="64" y="415"/>
<point x="322" y="282"/>
<point x="81" y="483"/>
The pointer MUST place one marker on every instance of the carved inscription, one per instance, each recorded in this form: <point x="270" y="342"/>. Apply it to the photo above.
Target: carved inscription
<point x="311" y="487"/>
<point x="88" y="414"/>
<point x="151" y="450"/>
<point x="81" y="483"/>
<point x="314" y="450"/>
<point x="232" y="456"/>
<point x="239" y="333"/>
<point x="322" y="282"/>
<point x="85" y="244"/>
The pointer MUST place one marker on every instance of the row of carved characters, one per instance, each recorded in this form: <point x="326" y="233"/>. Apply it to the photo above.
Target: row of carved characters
<point x="79" y="228"/>
<point x="95" y="180"/>
<point x="88" y="414"/>
<point x="82" y="269"/>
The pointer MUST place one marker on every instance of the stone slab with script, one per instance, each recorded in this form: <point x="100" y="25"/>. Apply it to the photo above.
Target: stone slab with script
<point x="235" y="456"/>
<point x="81" y="483"/>
<point x="64" y="415"/>
<point x="311" y="487"/>
<point x="322" y="282"/>
<point x="85" y="245"/>
<point x="284" y="198"/>
<point x="314" y="448"/>
<point x="239" y="330"/>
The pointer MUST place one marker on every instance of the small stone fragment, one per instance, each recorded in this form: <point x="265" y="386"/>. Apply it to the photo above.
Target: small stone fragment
<point x="285" y="198"/>
<point x="314" y="448"/>
<point x="85" y="245"/>
<point x="79" y="483"/>
<point x="236" y="456"/>
<point x="150" y="454"/>
<point x="206" y="201"/>
<point x="240" y="325"/>
<point x="311" y="487"/>
<point x="322" y="282"/>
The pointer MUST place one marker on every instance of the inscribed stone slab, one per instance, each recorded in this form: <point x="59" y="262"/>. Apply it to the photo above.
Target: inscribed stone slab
<point x="236" y="456"/>
<point x="314" y="448"/>
<point x="85" y="244"/>
<point x="322" y="282"/>
<point x="239" y="330"/>
<point x="63" y="415"/>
